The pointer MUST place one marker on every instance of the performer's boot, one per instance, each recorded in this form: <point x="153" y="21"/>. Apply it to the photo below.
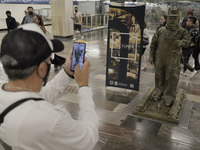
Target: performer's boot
<point x="168" y="103"/>
<point x="156" y="98"/>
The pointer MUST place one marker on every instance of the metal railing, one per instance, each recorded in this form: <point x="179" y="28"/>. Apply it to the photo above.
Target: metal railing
<point x="92" y="22"/>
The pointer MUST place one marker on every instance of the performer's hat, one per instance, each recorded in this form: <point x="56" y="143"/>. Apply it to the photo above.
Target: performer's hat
<point x="174" y="13"/>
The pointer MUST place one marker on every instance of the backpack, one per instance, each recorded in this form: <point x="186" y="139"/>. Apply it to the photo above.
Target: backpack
<point x="145" y="41"/>
<point x="76" y="18"/>
<point x="17" y="24"/>
<point x="194" y="36"/>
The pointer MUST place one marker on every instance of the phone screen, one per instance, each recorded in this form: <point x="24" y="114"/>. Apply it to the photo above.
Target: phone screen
<point x="78" y="55"/>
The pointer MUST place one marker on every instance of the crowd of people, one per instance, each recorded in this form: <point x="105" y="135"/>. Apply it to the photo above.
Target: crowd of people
<point x="191" y="24"/>
<point x="31" y="17"/>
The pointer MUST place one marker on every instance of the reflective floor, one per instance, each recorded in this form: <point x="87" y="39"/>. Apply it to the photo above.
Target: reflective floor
<point x="119" y="128"/>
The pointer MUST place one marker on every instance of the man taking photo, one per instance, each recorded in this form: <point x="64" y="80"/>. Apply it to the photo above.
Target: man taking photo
<point x="28" y="118"/>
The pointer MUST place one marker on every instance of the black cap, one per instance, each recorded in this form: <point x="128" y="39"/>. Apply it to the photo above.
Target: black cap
<point x="28" y="46"/>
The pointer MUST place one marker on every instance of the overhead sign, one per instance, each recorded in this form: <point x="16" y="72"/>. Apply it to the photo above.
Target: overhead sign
<point x="25" y="1"/>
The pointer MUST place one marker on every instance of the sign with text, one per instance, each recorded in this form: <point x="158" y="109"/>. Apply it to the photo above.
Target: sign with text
<point x="125" y="33"/>
<point x="25" y="1"/>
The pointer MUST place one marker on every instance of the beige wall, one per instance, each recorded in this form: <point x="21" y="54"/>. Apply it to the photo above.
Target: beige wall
<point x="61" y="13"/>
<point x="17" y="11"/>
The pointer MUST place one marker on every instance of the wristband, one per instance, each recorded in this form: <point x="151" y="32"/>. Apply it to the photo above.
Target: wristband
<point x="83" y="86"/>
<point x="68" y="74"/>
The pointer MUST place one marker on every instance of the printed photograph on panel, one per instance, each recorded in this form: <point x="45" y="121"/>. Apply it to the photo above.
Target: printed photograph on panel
<point x="124" y="44"/>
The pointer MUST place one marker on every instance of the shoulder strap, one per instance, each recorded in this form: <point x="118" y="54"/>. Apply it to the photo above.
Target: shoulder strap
<point x="12" y="106"/>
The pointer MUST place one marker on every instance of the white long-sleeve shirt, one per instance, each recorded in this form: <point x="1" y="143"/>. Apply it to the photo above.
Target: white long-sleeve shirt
<point x="39" y="125"/>
<point x="145" y="35"/>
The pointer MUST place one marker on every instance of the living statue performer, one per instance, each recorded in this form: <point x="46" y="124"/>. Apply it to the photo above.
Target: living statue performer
<point x="165" y="54"/>
<point x="77" y="55"/>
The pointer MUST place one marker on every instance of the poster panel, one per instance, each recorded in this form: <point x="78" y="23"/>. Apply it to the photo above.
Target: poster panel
<point x="25" y="1"/>
<point x="125" y="33"/>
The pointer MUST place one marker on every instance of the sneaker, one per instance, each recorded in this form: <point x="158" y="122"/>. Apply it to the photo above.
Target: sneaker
<point x="74" y="39"/>
<point x="197" y="69"/>
<point x="193" y="74"/>
<point x="184" y="74"/>
<point x="55" y="66"/>
<point x="144" y="68"/>
<point x="82" y="37"/>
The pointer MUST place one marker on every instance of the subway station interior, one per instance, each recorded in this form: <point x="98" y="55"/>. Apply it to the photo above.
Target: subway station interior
<point x="119" y="127"/>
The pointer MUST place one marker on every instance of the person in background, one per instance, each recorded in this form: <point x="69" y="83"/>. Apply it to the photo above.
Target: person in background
<point x="196" y="52"/>
<point x="146" y="37"/>
<point x="187" y="52"/>
<point x="26" y="13"/>
<point x="10" y="21"/>
<point x="77" y="23"/>
<point x="30" y="15"/>
<point x="158" y="15"/>
<point x="180" y="13"/>
<point x="39" y="21"/>
<point x="184" y="23"/>
<point x="163" y="22"/>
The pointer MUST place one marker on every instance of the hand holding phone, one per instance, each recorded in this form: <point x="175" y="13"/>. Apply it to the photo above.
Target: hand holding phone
<point x="78" y="55"/>
<point x="82" y="76"/>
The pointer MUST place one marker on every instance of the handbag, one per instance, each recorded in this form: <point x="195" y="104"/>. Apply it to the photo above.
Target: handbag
<point x="76" y="18"/>
<point x="145" y="41"/>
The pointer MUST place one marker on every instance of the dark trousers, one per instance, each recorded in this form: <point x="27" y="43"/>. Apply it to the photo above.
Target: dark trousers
<point x="195" y="55"/>
<point x="186" y="56"/>
<point x="58" y="60"/>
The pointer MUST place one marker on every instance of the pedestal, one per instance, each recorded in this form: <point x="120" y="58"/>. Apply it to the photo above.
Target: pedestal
<point x="149" y="108"/>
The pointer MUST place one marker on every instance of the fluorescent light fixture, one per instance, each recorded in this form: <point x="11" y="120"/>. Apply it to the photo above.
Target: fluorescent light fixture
<point x="184" y="1"/>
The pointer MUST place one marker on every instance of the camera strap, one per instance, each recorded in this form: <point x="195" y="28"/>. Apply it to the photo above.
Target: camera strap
<point x="14" y="105"/>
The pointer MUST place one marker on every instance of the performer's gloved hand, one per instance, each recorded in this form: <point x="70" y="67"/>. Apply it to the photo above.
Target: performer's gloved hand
<point x="178" y="43"/>
<point x="151" y="60"/>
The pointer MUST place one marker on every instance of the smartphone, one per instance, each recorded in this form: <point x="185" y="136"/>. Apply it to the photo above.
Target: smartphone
<point x="78" y="55"/>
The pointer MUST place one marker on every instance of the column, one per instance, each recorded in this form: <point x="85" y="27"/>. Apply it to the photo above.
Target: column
<point x="61" y="13"/>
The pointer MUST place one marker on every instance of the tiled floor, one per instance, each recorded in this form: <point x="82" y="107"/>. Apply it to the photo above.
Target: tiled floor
<point x="119" y="128"/>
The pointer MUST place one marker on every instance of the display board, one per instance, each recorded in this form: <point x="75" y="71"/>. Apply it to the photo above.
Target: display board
<point x="125" y="33"/>
<point x="25" y="1"/>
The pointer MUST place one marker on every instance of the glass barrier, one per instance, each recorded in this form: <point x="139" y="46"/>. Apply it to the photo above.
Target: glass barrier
<point x="155" y="11"/>
<point x="89" y="22"/>
<point x="93" y="22"/>
<point x="46" y="14"/>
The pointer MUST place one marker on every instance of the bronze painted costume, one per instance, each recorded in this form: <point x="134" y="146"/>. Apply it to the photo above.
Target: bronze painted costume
<point x="165" y="54"/>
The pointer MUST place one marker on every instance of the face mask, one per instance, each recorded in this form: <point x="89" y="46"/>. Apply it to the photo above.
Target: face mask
<point x="30" y="13"/>
<point x="47" y="74"/>
<point x="76" y="10"/>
